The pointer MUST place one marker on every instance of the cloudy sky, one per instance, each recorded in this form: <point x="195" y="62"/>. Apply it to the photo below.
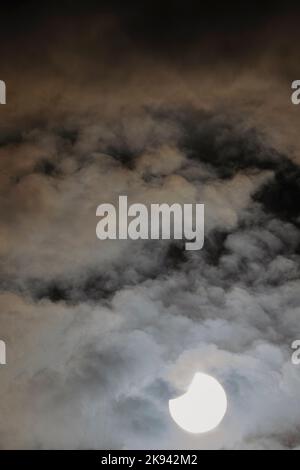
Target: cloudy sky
<point x="186" y="102"/>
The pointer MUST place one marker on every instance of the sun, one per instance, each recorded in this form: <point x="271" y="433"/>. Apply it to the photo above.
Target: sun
<point x="202" y="408"/>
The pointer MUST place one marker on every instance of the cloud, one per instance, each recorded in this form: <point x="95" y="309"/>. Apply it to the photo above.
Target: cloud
<point x="100" y="335"/>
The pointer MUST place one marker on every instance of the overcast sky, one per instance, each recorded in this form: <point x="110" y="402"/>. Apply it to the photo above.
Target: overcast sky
<point x="173" y="103"/>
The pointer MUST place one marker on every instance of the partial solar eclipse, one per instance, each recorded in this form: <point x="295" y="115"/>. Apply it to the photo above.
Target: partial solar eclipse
<point x="202" y="408"/>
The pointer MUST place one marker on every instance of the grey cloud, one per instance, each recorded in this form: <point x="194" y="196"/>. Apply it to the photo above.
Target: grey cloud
<point x="101" y="335"/>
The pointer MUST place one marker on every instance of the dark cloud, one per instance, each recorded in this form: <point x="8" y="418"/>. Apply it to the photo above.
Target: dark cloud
<point x="279" y="195"/>
<point x="224" y="143"/>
